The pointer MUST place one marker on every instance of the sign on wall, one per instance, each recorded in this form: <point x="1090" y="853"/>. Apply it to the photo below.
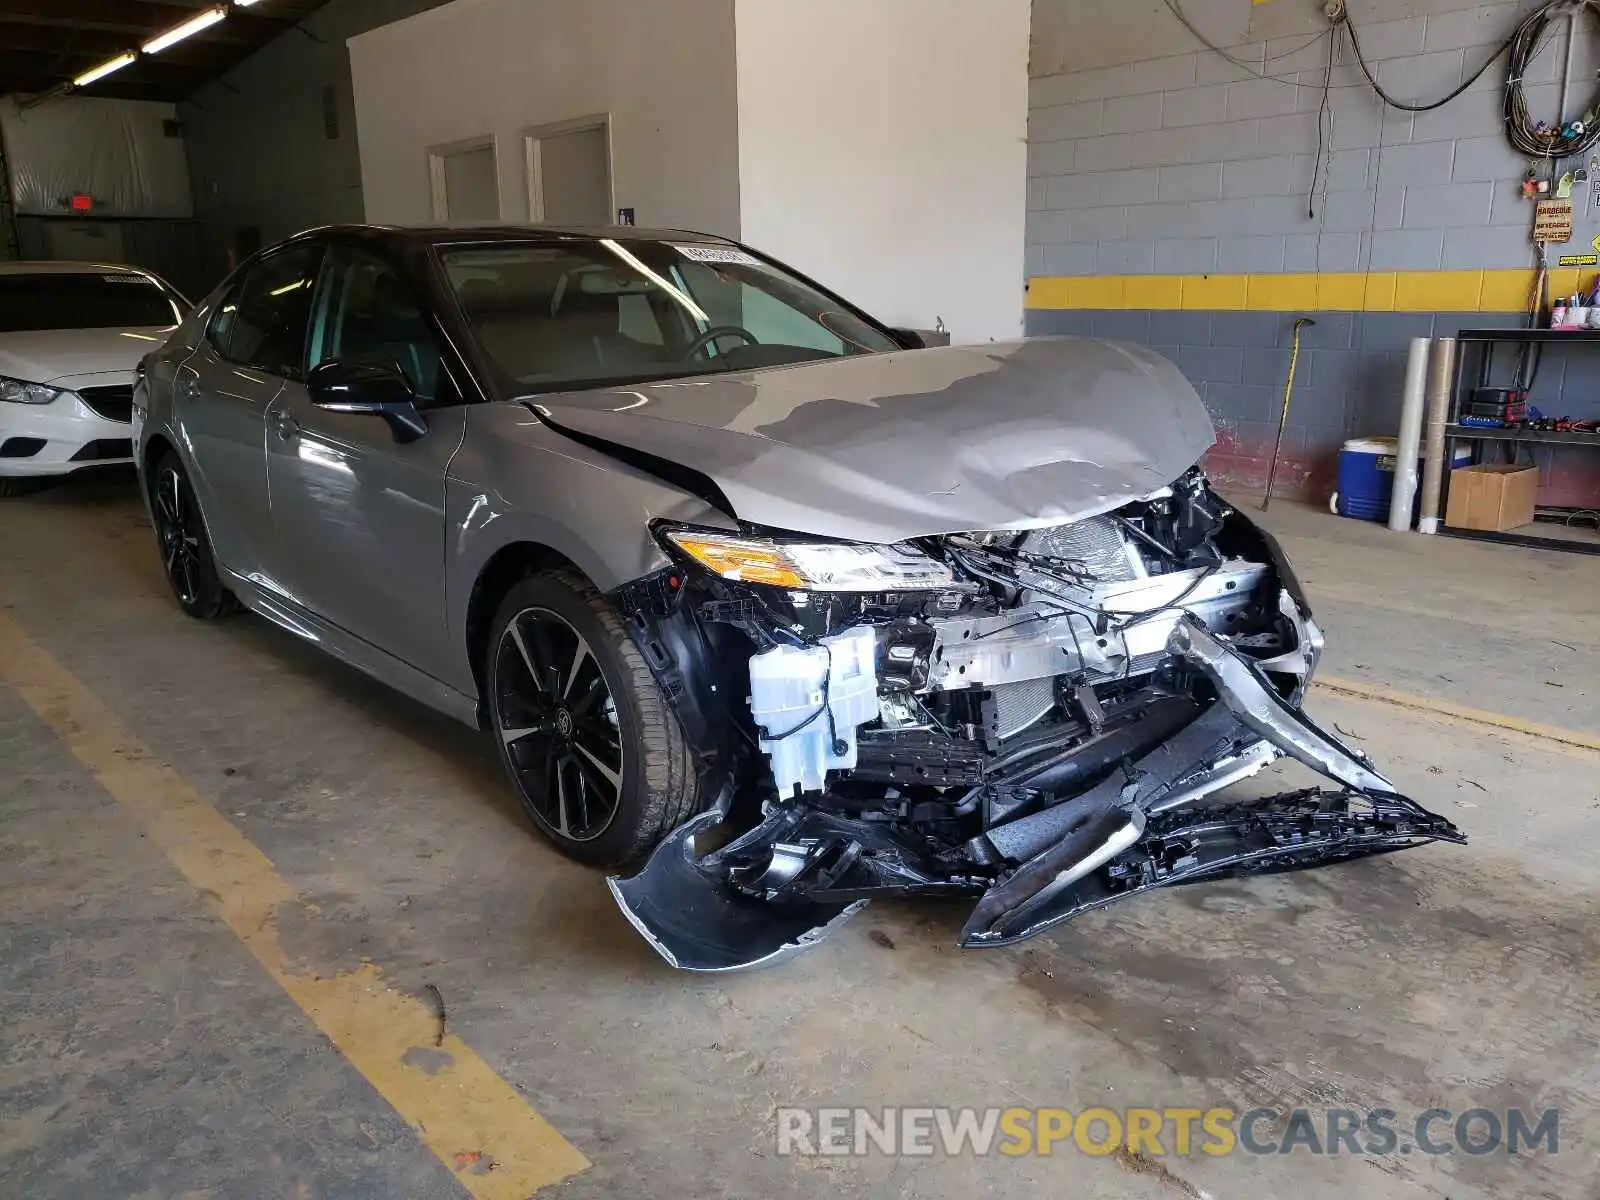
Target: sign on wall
<point x="1552" y="221"/>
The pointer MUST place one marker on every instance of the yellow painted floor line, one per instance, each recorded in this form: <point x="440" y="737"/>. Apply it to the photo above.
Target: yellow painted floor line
<point x="1457" y="712"/>
<point x="478" y="1125"/>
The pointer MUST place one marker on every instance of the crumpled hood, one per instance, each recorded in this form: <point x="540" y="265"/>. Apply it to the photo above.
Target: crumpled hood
<point x="44" y="355"/>
<point x="885" y="447"/>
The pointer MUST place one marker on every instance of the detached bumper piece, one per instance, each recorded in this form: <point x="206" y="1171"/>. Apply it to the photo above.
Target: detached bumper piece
<point x="698" y="923"/>
<point x="1148" y="821"/>
<point x="1282" y="833"/>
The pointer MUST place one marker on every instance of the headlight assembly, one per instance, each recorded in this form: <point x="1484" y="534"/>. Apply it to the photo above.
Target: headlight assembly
<point x="812" y="566"/>
<point x="19" y="391"/>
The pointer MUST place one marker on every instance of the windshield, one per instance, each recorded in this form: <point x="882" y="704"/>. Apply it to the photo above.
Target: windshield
<point x="68" y="300"/>
<point x="574" y="314"/>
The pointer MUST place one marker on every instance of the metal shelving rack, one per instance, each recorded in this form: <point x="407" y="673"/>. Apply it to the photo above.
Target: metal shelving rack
<point x="1486" y="340"/>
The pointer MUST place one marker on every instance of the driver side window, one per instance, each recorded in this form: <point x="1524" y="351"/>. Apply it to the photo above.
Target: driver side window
<point x="366" y="312"/>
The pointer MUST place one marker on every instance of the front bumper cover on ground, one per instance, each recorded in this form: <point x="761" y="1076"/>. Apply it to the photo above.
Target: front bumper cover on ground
<point x="698" y="923"/>
<point x="1144" y="826"/>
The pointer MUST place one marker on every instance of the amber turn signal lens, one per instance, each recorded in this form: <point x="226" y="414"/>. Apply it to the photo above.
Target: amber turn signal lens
<point x="740" y="558"/>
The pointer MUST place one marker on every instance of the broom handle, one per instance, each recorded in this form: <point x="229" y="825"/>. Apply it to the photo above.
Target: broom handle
<point x="1283" y="417"/>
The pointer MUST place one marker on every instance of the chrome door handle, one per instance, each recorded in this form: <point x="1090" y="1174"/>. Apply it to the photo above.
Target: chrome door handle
<point x="285" y="425"/>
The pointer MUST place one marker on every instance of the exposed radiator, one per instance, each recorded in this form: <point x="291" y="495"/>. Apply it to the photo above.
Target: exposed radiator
<point x="1098" y="544"/>
<point x="1019" y="705"/>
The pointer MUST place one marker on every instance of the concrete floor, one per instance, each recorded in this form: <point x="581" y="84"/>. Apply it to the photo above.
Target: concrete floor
<point x="147" y="1051"/>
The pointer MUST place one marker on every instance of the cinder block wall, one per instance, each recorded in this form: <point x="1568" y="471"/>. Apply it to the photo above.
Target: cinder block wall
<point x="1176" y="199"/>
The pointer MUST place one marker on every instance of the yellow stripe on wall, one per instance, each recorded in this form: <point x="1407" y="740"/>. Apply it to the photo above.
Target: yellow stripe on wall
<point x="1369" y="291"/>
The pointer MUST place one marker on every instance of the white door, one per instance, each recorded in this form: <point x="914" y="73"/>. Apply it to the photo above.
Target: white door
<point x="466" y="184"/>
<point x="569" y="175"/>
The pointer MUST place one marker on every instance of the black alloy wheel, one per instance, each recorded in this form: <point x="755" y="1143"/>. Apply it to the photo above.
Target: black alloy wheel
<point x="587" y="739"/>
<point x="558" y="722"/>
<point x="180" y="540"/>
<point x="185" y="546"/>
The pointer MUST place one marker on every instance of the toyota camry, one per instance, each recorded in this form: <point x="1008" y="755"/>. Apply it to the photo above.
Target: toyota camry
<point x="764" y="605"/>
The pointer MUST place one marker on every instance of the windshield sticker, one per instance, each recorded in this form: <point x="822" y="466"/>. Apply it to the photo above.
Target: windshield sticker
<point x="718" y="254"/>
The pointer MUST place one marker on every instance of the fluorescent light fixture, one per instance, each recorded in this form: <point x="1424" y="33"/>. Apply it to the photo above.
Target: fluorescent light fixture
<point x="188" y="29"/>
<point x="243" y="3"/>
<point x="104" y="69"/>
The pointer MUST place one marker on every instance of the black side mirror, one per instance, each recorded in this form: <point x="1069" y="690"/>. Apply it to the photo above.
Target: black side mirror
<point x="378" y="389"/>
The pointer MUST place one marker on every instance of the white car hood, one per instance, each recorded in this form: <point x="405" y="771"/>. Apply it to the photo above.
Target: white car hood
<point x="45" y="355"/>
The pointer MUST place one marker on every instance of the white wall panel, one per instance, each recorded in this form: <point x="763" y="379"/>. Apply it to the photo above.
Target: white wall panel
<point x="664" y="73"/>
<point x="883" y="151"/>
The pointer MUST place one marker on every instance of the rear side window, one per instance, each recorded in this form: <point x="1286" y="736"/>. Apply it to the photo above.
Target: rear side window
<point x="261" y="323"/>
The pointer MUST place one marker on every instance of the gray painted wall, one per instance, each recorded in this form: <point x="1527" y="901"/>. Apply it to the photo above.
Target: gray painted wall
<point x="1150" y="154"/>
<point x="1347" y="384"/>
<point x="258" y="150"/>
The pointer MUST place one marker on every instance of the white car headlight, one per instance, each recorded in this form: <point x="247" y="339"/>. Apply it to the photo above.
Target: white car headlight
<point x="20" y="391"/>
<point x="812" y="566"/>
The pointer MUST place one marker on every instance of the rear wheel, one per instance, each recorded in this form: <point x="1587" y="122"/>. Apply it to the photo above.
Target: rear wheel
<point x="185" y="546"/>
<point x="583" y="731"/>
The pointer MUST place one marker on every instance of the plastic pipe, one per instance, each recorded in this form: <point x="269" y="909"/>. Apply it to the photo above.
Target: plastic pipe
<point x="1412" y="402"/>
<point x="1441" y="378"/>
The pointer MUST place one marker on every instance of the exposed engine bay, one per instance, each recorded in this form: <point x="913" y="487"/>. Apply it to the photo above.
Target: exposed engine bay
<point x="1043" y="719"/>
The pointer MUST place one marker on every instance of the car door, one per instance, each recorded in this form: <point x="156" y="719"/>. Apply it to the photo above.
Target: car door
<point x="254" y="342"/>
<point x="358" y="515"/>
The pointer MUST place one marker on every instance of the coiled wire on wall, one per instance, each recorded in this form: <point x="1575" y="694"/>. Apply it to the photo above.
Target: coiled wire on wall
<point x="1521" y="130"/>
<point x="1524" y="44"/>
<point x="1525" y="134"/>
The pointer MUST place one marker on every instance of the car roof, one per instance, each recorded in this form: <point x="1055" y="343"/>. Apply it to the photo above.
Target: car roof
<point x="55" y="267"/>
<point x="444" y="235"/>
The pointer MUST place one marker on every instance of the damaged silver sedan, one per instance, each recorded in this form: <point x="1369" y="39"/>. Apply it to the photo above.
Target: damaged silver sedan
<point x="741" y="580"/>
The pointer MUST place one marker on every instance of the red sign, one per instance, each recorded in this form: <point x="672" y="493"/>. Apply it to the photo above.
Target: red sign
<point x="81" y="202"/>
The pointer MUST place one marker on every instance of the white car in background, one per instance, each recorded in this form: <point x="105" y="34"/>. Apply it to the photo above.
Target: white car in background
<point x="71" y="335"/>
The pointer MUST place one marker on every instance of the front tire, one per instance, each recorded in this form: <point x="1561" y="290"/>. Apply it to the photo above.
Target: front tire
<point x="581" y="726"/>
<point x="186" y="556"/>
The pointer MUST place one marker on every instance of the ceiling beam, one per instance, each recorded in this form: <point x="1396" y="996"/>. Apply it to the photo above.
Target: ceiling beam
<point x="92" y="44"/>
<point x="140" y="20"/>
<point x="45" y="43"/>
<point x="22" y="63"/>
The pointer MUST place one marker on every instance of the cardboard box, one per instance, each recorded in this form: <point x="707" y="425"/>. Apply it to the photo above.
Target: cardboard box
<point x="1492" y="496"/>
